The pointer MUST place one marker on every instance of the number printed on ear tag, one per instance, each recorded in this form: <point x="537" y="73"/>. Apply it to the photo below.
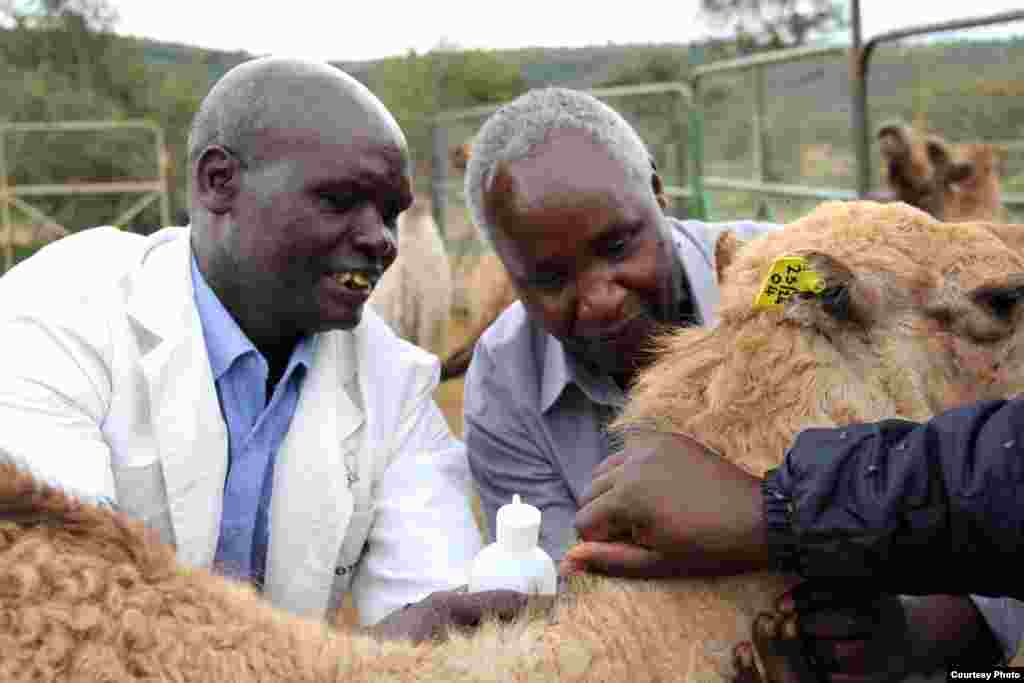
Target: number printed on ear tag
<point x="788" y="275"/>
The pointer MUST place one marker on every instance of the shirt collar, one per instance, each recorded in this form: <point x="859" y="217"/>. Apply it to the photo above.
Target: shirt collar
<point x="225" y="340"/>
<point x="561" y="369"/>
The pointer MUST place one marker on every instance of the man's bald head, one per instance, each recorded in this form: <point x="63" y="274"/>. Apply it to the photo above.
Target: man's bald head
<point x="274" y="93"/>
<point x="298" y="175"/>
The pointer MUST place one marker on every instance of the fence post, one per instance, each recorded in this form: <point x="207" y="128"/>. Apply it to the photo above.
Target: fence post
<point x="163" y="168"/>
<point x="763" y="211"/>
<point x="695" y="142"/>
<point x="859" y="110"/>
<point x="439" y="174"/>
<point x="5" y="206"/>
<point x="677" y="157"/>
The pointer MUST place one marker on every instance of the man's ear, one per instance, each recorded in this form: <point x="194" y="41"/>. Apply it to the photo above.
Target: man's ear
<point x="217" y="179"/>
<point x="726" y="247"/>
<point x="659" y="191"/>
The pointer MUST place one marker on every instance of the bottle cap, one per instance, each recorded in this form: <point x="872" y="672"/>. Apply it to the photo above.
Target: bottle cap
<point x="517" y="525"/>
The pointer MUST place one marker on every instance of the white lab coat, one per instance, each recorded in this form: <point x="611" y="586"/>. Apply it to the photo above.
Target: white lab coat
<point x="106" y="389"/>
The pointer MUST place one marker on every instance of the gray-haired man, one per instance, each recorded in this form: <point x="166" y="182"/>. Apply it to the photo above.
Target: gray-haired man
<point x="563" y="188"/>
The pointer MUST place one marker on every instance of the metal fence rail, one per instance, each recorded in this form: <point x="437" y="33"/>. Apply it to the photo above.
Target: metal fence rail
<point x="11" y="195"/>
<point x="758" y="182"/>
<point x="859" y="61"/>
<point x="440" y="185"/>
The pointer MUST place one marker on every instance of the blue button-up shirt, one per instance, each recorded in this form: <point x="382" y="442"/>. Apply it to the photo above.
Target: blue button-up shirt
<point x="255" y="430"/>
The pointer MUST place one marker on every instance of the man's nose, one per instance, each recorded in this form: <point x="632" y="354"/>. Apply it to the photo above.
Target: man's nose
<point x="373" y="238"/>
<point x="599" y="301"/>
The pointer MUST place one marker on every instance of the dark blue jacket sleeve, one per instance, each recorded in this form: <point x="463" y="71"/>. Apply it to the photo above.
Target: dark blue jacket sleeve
<point x="910" y="508"/>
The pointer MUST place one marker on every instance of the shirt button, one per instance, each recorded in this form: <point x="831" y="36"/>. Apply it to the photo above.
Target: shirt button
<point x="340" y="571"/>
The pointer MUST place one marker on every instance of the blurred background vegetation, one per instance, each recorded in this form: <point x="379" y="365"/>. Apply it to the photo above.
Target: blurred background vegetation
<point x="61" y="60"/>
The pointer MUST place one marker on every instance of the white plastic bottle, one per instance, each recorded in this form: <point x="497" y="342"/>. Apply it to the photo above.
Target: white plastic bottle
<point x="515" y="561"/>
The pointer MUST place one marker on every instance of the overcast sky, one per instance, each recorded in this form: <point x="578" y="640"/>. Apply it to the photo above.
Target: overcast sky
<point x="358" y="30"/>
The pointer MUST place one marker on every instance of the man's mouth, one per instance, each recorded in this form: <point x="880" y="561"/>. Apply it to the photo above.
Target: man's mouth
<point x="356" y="281"/>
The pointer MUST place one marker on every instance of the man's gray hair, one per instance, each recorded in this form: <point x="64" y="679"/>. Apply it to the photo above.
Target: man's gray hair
<point x="517" y="129"/>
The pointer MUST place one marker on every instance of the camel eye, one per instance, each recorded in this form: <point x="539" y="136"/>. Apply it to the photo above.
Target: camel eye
<point x="1001" y="302"/>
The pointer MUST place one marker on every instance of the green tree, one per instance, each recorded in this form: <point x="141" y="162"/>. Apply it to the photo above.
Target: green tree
<point x="661" y="67"/>
<point x="415" y="87"/>
<point x="59" y="61"/>
<point x="70" y="36"/>
<point x="774" y="24"/>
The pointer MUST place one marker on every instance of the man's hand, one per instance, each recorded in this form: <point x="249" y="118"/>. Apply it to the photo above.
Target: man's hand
<point x="667" y="506"/>
<point x="431" y="617"/>
<point x="834" y="634"/>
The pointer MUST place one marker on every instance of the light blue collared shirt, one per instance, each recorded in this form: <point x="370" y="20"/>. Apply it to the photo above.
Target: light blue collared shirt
<point x="255" y="430"/>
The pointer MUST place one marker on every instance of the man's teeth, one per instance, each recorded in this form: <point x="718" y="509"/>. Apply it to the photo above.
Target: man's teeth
<point x="354" y="280"/>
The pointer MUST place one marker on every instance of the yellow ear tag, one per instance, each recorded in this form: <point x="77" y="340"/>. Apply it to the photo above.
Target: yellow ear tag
<point x="788" y="275"/>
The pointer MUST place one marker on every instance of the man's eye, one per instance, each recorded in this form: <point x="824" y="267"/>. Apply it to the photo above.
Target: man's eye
<point x="390" y="217"/>
<point x="547" y="282"/>
<point x="334" y="201"/>
<point x="618" y="246"/>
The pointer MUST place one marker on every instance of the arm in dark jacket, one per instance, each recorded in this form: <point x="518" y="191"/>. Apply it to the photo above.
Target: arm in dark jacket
<point x="910" y="508"/>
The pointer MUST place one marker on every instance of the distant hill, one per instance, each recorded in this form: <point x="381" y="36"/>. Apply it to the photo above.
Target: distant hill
<point x="582" y="67"/>
<point x="587" y="67"/>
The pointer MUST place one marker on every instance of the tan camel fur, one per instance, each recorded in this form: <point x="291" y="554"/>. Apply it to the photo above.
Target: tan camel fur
<point x="491" y="292"/>
<point x="918" y="316"/>
<point x="415" y="294"/>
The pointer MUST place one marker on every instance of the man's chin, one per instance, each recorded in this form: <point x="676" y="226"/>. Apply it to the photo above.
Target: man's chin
<point x="603" y="361"/>
<point x="342" y="323"/>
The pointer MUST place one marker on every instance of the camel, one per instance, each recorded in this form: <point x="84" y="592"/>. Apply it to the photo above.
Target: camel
<point x="913" y="316"/>
<point x="415" y="294"/>
<point x="491" y="289"/>
<point x="954" y="183"/>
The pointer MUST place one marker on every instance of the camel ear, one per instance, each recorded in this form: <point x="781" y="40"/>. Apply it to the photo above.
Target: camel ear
<point x="844" y="299"/>
<point x="726" y="247"/>
<point x="938" y="152"/>
<point x="893" y="140"/>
